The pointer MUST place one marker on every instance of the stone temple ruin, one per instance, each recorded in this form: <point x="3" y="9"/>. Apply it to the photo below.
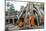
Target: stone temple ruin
<point x="27" y="17"/>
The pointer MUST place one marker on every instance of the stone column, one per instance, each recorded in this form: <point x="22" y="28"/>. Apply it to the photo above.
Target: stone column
<point x="13" y="20"/>
<point x="8" y="20"/>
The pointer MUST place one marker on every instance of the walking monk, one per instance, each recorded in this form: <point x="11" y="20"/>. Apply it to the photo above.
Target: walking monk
<point x="32" y="21"/>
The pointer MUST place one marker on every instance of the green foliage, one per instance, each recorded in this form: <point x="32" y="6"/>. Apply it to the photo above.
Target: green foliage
<point x="8" y="4"/>
<point x="11" y="7"/>
<point x="40" y="5"/>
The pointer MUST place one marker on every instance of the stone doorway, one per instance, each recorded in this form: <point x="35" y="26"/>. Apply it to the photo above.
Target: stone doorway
<point x="11" y="21"/>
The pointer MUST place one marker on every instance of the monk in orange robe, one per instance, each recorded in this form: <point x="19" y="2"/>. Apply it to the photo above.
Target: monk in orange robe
<point x="32" y="21"/>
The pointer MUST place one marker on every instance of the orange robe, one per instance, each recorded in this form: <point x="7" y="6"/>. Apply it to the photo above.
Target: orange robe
<point x="32" y="21"/>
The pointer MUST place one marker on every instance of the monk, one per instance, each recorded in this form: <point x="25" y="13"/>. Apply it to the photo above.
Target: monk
<point x="32" y="21"/>
<point x="20" y="23"/>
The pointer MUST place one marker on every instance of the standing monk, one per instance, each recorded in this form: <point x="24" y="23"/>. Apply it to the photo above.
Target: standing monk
<point x="32" y="21"/>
